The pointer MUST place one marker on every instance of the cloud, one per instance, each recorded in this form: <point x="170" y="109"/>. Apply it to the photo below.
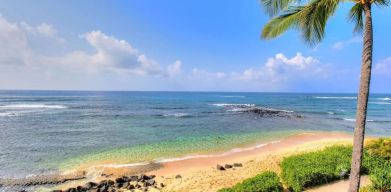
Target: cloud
<point x="383" y="67"/>
<point x="41" y="46"/>
<point x="200" y="73"/>
<point x="341" y="44"/>
<point x="174" y="69"/>
<point x="281" y="68"/>
<point x="278" y="72"/>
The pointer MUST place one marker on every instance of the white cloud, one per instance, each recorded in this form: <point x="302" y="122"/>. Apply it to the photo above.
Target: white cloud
<point x="175" y="68"/>
<point x="280" y="68"/>
<point x="383" y="67"/>
<point x="40" y="46"/>
<point x="341" y="44"/>
<point x="200" y="73"/>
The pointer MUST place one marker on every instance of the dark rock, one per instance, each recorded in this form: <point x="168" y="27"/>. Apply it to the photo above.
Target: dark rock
<point x="52" y="191"/>
<point x="110" y="182"/>
<point x="120" y="180"/>
<point x="80" y="188"/>
<point x="133" y="178"/>
<point x="238" y="165"/>
<point x="161" y="185"/>
<point x="118" y="185"/>
<point x="144" y="189"/>
<point x="219" y="167"/>
<point x="90" y="185"/>
<point x="178" y="177"/>
<point x="104" y="189"/>
<point x="126" y="179"/>
<point x="150" y="182"/>
<point x="130" y="186"/>
<point x="71" y="190"/>
<point x="142" y="177"/>
<point x="227" y="166"/>
<point x="102" y="183"/>
<point x="152" y="176"/>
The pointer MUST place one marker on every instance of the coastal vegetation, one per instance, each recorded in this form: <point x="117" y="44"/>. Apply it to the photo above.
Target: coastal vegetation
<point x="264" y="182"/>
<point x="306" y="170"/>
<point x="310" y="19"/>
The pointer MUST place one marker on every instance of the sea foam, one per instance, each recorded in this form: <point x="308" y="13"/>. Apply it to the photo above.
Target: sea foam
<point x="32" y="106"/>
<point x="335" y="97"/>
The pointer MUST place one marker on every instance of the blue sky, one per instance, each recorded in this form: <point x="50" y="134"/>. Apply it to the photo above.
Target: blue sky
<point x="177" y="46"/>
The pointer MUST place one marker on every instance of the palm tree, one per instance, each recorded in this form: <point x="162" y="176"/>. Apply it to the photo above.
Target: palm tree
<point x="310" y="18"/>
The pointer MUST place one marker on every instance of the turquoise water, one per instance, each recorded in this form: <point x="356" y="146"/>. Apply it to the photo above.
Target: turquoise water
<point x="45" y="131"/>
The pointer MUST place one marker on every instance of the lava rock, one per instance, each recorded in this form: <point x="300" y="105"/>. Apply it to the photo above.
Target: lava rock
<point x="120" y="180"/>
<point x="227" y="166"/>
<point x="219" y="167"/>
<point x="238" y="165"/>
<point x="150" y="182"/>
<point x="130" y="186"/>
<point x="71" y="190"/>
<point x="118" y="185"/>
<point x="90" y="185"/>
<point x="133" y="178"/>
<point x="178" y="177"/>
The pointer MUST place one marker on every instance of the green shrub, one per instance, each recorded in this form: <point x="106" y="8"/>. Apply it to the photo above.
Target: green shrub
<point x="264" y="182"/>
<point x="310" y="169"/>
<point x="380" y="147"/>
<point x="381" y="177"/>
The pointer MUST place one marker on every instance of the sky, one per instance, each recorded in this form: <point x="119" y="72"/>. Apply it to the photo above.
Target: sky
<point x="173" y="45"/>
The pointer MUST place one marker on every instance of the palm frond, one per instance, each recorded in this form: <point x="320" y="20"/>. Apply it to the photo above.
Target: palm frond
<point x="310" y="19"/>
<point x="382" y="3"/>
<point x="356" y="16"/>
<point x="274" y="7"/>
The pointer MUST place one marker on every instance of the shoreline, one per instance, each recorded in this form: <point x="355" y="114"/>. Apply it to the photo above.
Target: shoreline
<point x="196" y="171"/>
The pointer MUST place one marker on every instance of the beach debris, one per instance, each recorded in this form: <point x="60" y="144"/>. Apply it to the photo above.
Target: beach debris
<point x="219" y="167"/>
<point x="238" y="165"/>
<point x="227" y="166"/>
<point x="135" y="182"/>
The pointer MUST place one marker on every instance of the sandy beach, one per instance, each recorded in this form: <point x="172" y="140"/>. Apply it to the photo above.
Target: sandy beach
<point x="200" y="173"/>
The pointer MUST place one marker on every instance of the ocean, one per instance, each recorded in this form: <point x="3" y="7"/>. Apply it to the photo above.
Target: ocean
<point x="44" y="132"/>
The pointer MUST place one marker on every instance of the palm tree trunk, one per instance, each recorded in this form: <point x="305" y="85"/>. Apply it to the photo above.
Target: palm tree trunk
<point x="362" y="101"/>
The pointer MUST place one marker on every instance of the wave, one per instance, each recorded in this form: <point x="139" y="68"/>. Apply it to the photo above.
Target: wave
<point x="335" y="97"/>
<point x="252" y="108"/>
<point x="233" y="105"/>
<point x="234" y="96"/>
<point x="380" y="103"/>
<point x="32" y="106"/>
<point x="232" y="151"/>
<point x="7" y="114"/>
<point x="166" y="160"/>
<point x="177" y="115"/>
<point x="354" y="120"/>
<point x="385" y="99"/>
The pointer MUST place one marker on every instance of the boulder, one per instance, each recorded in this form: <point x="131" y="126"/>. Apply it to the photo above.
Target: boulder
<point x="90" y="185"/>
<point x="219" y="167"/>
<point x="178" y="177"/>
<point x="133" y="178"/>
<point x="227" y="166"/>
<point x="150" y="182"/>
<point x="238" y="165"/>
<point x="120" y="180"/>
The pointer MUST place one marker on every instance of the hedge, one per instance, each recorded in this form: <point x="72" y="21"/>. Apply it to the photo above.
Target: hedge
<point x="264" y="182"/>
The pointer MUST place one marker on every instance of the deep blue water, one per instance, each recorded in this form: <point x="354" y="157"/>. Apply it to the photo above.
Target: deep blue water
<point x="41" y="129"/>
